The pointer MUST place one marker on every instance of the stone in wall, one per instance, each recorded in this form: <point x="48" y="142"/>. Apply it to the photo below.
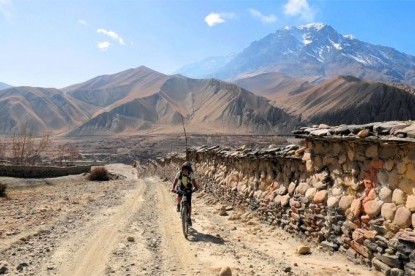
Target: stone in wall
<point x="403" y="218"/>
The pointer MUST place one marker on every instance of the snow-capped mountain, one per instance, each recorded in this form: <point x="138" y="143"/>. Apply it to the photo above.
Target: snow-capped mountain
<point x="316" y="50"/>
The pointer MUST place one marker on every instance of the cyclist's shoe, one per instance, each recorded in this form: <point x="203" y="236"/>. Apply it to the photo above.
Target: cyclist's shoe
<point x="189" y="221"/>
<point x="178" y="208"/>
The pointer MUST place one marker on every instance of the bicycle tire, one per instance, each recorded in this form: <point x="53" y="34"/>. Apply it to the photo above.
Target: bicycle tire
<point x="185" y="225"/>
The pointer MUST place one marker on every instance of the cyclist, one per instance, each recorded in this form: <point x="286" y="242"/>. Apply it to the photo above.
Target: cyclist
<point x="186" y="180"/>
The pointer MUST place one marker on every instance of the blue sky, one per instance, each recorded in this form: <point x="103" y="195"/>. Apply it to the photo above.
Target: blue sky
<point x="56" y="43"/>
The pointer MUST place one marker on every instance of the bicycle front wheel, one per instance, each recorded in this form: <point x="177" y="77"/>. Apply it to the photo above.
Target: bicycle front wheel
<point x="185" y="225"/>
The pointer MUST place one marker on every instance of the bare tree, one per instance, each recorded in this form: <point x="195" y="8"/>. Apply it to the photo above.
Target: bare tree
<point x="25" y="148"/>
<point x="3" y="148"/>
<point x="67" y="152"/>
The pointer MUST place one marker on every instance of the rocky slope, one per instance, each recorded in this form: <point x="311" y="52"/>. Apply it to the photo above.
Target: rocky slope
<point x="41" y="109"/>
<point x="205" y="105"/>
<point x="348" y="100"/>
<point x="274" y="85"/>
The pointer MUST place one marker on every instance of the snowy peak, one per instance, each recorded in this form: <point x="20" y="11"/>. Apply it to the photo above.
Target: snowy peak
<point x="316" y="26"/>
<point x="314" y="34"/>
<point x="314" y="51"/>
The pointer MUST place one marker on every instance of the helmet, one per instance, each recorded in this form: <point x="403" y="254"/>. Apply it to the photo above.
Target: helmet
<point x="187" y="165"/>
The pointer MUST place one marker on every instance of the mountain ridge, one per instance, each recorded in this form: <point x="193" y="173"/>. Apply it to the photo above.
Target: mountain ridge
<point x="142" y="101"/>
<point x="318" y="50"/>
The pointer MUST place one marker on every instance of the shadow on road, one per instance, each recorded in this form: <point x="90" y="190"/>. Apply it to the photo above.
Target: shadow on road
<point x="195" y="236"/>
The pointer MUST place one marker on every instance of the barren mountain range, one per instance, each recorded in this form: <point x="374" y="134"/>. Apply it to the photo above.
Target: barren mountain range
<point x="204" y="105"/>
<point x="145" y="101"/>
<point x="314" y="51"/>
<point x="290" y="78"/>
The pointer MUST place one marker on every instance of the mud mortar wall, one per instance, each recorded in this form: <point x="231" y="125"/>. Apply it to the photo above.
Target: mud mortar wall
<point x="356" y="197"/>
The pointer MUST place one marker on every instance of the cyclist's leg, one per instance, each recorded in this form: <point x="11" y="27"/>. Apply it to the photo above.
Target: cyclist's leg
<point x="179" y="199"/>
<point x="190" y="209"/>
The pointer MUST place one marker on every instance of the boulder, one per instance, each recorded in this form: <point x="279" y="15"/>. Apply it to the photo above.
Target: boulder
<point x="403" y="217"/>
<point x="225" y="271"/>
<point x="282" y="190"/>
<point x="372" y="207"/>
<point x="291" y="188"/>
<point x="310" y="193"/>
<point x="301" y="188"/>
<point x="285" y="199"/>
<point x="345" y="202"/>
<point x="320" y="196"/>
<point x="385" y="194"/>
<point x="388" y="211"/>
<point x="398" y="197"/>
<point x="303" y="250"/>
<point x="355" y="207"/>
<point x="333" y="202"/>
<point x="410" y="203"/>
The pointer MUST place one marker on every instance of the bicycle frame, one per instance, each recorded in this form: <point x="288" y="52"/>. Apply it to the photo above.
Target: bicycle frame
<point x="185" y="211"/>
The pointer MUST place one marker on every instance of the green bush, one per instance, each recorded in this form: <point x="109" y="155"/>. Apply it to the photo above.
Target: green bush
<point x="3" y="188"/>
<point x="99" y="174"/>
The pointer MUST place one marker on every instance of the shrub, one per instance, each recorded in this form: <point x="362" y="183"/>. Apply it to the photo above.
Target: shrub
<point x="3" y="188"/>
<point x="99" y="174"/>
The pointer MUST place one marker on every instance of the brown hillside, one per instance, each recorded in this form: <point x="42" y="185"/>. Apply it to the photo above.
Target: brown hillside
<point x="207" y="106"/>
<point x="348" y="100"/>
<point x="110" y="91"/>
<point x="274" y="85"/>
<point x="43" y="109"/>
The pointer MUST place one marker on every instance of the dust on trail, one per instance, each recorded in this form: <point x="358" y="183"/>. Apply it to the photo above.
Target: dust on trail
<point x="92" y="256"/>
<point x="130" y="227"/>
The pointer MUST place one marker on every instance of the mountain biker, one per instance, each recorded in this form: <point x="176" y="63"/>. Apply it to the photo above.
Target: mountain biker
<point x="186" y="180"/>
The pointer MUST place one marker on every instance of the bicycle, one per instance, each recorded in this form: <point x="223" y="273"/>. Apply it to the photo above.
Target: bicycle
<point x="184" y="210"/>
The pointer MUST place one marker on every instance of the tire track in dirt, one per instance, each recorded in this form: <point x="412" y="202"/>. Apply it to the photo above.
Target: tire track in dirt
<point x="177" y="250"/>
<point x="94" y="250"/>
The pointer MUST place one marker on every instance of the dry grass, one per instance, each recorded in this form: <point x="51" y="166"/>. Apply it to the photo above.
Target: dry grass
<point x="99" y="174"/>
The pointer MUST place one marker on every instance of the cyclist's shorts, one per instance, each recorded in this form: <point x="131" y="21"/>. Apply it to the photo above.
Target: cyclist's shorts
<point x="189" y="197"/>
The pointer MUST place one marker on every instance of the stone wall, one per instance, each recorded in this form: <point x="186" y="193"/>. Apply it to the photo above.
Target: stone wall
<point x="349" y="188"/>
<point x="41" y="171"/>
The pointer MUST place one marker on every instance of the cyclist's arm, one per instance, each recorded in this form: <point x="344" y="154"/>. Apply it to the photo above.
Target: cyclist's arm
<point x="174" y="185"/>
<point x="195" y="184"/>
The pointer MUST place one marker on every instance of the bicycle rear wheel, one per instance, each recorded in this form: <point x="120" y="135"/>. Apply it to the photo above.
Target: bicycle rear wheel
<point x="185" y="224"/>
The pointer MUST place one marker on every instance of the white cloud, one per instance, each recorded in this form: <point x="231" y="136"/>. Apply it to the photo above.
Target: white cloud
<point x="103" y="45"/>
<point x="111" y="34"/>
<point x="6" y="8"/>
<point x="214" y="18"/>
<point x="301" y="8"/>
<point x="266" y="19"/>
<point x="81" y="21"/>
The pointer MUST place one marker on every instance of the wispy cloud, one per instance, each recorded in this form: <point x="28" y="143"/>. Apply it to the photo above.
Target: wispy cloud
<point x="104" y="45"/>
<point x="6" y="8"/>
<point x="81" y="21"/>
<point x="299" y="8"/>
<point x="215" y="18"/>
<point x="112" y="35"/>
<point x="266" y="19"/>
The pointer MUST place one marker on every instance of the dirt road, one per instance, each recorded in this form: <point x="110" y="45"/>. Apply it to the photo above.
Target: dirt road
<point x="130" y="227"/>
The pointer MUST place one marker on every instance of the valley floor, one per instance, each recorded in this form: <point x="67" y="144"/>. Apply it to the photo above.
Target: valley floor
<point x="70" y="226"/>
